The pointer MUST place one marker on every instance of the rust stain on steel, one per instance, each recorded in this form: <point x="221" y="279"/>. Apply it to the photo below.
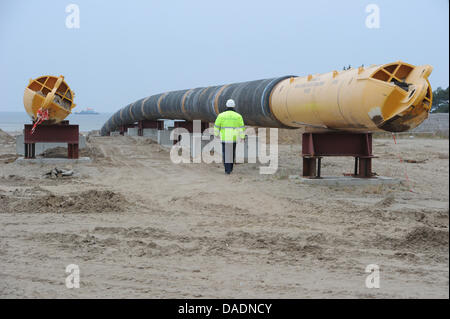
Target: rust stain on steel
<point x="159" y="102"/>
<point x="184" y="99"/>
<point x="216" y="100"/>
<point x="142" y="106"/>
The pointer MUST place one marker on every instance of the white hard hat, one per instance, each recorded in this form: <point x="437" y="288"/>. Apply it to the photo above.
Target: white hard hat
<point x="230" y="103"/>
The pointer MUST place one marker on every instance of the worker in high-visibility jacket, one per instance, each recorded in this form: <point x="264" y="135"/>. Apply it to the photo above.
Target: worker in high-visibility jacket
<point x="229" y="126"/>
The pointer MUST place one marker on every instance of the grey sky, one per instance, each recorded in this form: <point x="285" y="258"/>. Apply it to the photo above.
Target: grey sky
<point x="127" y="50"/>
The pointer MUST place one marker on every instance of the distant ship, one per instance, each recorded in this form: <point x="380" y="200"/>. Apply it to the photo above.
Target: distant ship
<point x="87" y="111"/>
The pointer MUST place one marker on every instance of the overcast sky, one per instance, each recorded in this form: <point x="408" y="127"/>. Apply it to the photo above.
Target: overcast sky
<point x="126" y="50"/>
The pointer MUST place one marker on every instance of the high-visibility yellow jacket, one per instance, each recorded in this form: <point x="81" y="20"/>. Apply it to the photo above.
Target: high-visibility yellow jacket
<point x="229" y="125"/>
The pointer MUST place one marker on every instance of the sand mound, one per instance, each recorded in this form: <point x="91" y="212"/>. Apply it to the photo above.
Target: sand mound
<point x="386" y="202"/>
<point x="421" y="238"/>
<point x="290" y="136"/>
<point x="5" y="137"/>
<point x="427" y="237"/>
<point x="61" y="152"/>
<point x="92" y="151"/>
<point x="145" y="141"/>
<point x="56" y="152"/>
<point x="8" y="158"/>
<point x="93" y="201"/>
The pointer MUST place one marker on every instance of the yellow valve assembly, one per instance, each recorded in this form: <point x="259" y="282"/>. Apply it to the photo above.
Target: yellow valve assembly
<point x="394" y="97"/>
<point x="49" y="94"/>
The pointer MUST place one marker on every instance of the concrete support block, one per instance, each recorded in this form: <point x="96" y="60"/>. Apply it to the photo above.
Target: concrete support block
<point x="163" y="138"/>
<point x="347" y="181"/>
<point x="198" y="143"/>
<point x="151" y="133"/>
<point x="247" y="150"/>
<point x="56" y="161"/>
<point x="132" y="131"/>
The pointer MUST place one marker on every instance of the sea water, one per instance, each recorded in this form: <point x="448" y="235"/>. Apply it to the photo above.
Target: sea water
<point x="14" y="121"/>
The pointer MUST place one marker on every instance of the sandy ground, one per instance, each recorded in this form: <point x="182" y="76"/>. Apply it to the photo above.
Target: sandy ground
<point x="139" y="226"/>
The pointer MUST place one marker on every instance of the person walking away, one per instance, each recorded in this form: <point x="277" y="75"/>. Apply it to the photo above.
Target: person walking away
<point x="229" y="125"/>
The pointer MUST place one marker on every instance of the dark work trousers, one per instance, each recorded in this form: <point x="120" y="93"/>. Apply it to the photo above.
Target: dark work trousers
<point x="228" y="156"/>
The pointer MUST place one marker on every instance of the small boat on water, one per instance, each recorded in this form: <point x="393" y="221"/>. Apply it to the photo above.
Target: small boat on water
<point x="87" y="111"/>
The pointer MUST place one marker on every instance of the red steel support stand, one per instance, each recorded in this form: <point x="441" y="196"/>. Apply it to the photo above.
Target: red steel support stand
<point x="124" y="128"/>
<point x="318" y="145"/>
<point x="62" y="132"/>
<point x="159" y="125"/>
<point x="189" y="125"/>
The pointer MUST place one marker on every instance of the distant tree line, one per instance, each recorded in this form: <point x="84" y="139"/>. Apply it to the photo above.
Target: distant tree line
<point x="440" y="101"/>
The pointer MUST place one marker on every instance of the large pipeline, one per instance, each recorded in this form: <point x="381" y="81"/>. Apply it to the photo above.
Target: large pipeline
<point x="393" y="97"/>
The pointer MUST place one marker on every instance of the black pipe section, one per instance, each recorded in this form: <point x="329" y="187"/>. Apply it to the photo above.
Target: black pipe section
<point x="252" y="102"/>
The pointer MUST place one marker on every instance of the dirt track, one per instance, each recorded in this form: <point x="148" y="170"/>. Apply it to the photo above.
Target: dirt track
<point x="148" y="228"/>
